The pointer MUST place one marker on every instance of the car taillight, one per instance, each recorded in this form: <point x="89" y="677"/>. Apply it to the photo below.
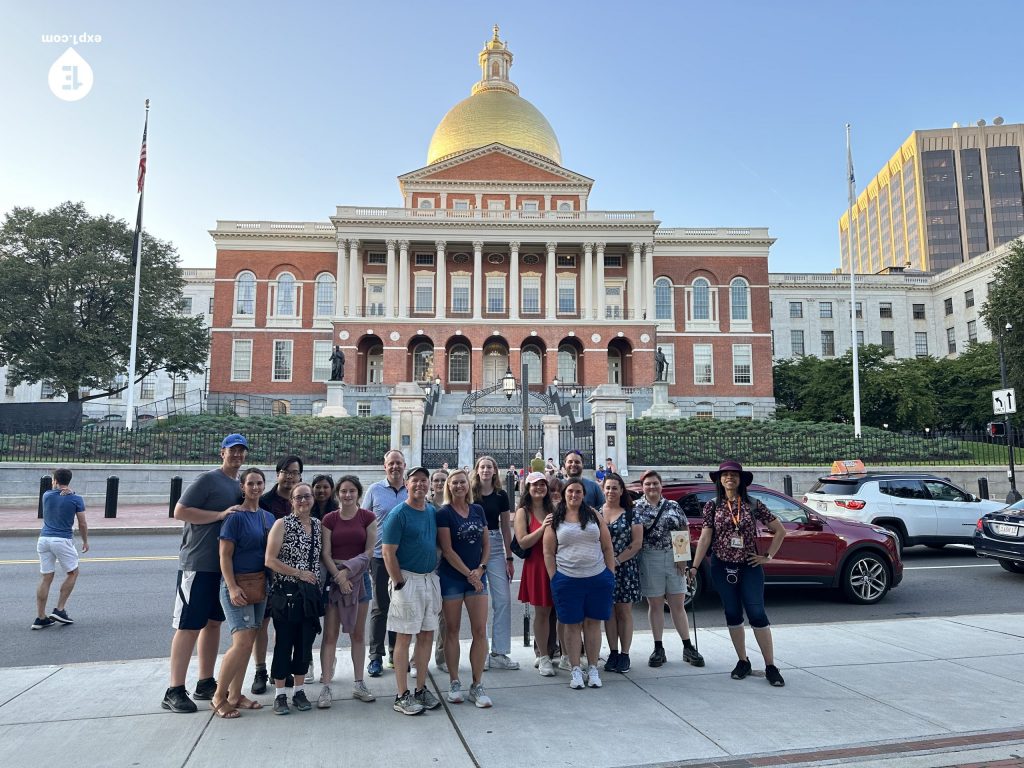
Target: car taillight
<point x="980" y="526"/>
<point x="851" y="503"/>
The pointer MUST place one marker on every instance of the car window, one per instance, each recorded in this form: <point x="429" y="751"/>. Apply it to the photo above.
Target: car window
<point x="835" y="487"/>
<point x="692" y="504"/>
<point x="787" y="511"/>
<point x="941" y="491"/>
<point x="905" y="489"/>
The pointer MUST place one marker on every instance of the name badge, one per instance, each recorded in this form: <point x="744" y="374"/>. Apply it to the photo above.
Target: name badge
<point x="736" y="542"/>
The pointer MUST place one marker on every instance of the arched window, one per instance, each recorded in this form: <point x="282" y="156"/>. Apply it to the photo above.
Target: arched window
<point x="280" y="407"/>
<point x="744" y="411"/>
<point x="565" y="206"/>
<point x="245" y="294"/>
<point x="423" y="362"/>
<point x="375" y="365"/>
<point x="458" y="364"/>
<point x="426" y="204"/>
<point x="532" y="357"/>
<point x="701" y="299"/>
<point x="567" y="364"/>
<point x="705" y="412"/>
<point x="324" y="306"/>
<point x="739" y="299"/>
<point x="285" y="302"/>
<point x="662" y="299"/>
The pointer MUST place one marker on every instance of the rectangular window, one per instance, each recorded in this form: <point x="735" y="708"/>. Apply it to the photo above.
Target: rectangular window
<point x="531" y="295"/>
<point x="613" y="302"/>
<point x="186" y="305"/>
<point x="825" y="309"/>
<point x="363" y="408"/>
<point x="375" y="299"/>
<point x="495" y="294"/>
<point x="889" y="342"/>
<point x="377" y="259"/>
<point x="969" y="299"/>
<point x="773" y="342"/>
<point x="210" y="311"/>
<point x="669" y="351"/>
<point x="796" y="342"/>
<point x="951" y="340"/>
<point x="860" y="310"/>
<point x="424" y="260"/>
<point x="116" y="383"/>
<point x="566" y="295"/>
<point x="566" y="261"/>
<point x="461" y="205"/>
<point x="178" y="388"/>
<point x="921" y="344"/>
<point x="282" y="360"/>
<point x="919" y="312"/>
<point x="947" y="306"/>
<point x="703" y="364"/>
<point x="613" y="260"/>
<point x="885" y="309"/>
<point x="828" y="343"/>
<point x="796" y="309"/>
<point x="424" y="294"/>
<point x="972" y="331"/>
<point x="460" y="293"/>
<point x="530" y="206"/>
<point x="321" y="360"/>
<point x="742" y="364"/>
<point x="860" y="338"/>
<point x="148" y="389"/>
<point x="495" y="205"/>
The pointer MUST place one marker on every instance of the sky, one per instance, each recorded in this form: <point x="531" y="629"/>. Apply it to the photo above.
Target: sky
<point x="721" y="113"/>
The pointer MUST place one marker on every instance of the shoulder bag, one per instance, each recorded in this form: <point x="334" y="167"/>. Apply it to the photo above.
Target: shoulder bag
<point x="255" y="584"/>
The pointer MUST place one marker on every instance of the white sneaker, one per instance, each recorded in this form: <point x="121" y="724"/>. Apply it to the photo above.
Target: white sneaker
<point x="544" y="667"/>
<point x="309" y="679"/>
<point x="563" y="663"/>
<point x="593" y="677"/>
<point x="576" y="681"/>
<point x="442" y="666"/>
<point x="361" y="692"/>
<point x="323" y="701"/>
<point x="455" y="692"/>
<point x="536" y="663"/>
<point x="501" y="661"/>
<point x="478" y="696"/>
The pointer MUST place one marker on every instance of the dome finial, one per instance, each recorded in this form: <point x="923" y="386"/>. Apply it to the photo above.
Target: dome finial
<point x="495" y="38"/>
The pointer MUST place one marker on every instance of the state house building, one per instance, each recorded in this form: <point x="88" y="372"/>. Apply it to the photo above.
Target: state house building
<point x="494" y="258"/>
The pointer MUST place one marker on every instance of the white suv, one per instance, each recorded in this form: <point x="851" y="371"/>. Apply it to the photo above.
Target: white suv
<point x="917" y="507"/>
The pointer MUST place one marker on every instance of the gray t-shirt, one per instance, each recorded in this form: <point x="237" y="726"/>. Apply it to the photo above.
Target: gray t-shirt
<point x="200" y="544"/>
<point x="579" y="552"/>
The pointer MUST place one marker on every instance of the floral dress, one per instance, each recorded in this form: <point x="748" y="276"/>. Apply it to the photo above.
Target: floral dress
<point x="296" y="550"/>
<point x="627" y="574"/>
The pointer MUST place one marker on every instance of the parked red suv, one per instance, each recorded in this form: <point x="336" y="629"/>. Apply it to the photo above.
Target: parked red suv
<point x="861" y="559"/>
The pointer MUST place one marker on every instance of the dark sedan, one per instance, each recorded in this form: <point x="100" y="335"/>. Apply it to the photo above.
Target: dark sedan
<point x="1000" y="535"/>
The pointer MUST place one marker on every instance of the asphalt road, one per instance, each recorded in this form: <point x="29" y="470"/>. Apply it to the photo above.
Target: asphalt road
<point x="122" y="604"/>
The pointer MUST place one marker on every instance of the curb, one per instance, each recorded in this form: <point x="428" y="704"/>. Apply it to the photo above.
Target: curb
<point x="139" y="530"/>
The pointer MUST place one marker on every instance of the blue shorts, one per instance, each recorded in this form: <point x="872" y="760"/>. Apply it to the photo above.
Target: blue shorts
<point x="241" y="617"/>
<point x="579" y="599"/>
<point x="456" y="586"/>
<point x="197" y="600"/>
<point x="367" y="587"/>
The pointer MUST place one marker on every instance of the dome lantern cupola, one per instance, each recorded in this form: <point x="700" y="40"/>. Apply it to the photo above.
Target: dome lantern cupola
<point x="495" y="62"/>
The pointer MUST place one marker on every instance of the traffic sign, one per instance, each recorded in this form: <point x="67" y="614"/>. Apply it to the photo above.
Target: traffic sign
<point x="1004" y="401"/>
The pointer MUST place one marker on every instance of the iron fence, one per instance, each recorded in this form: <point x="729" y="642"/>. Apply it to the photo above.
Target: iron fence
<point x="578" y="436"/>
<point x="440" y="444"/>
<point x="504" y="442"/>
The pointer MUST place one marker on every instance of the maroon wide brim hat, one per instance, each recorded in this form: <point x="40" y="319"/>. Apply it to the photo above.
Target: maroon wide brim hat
<point x="746" y="478"/>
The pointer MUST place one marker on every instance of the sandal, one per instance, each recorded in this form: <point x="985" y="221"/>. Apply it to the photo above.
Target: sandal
<point x="225" y="710"/>
<point x="244" y="702"/>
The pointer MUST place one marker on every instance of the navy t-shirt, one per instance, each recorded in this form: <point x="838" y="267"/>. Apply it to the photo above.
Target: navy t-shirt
<point x="249" y="531"/>
<point x="467" y="536"/>
<point x="59" y="513"/>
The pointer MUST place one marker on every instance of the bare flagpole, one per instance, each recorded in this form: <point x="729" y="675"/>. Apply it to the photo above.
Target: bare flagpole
<point x="853" y="288"/>
<point x="137" y="262"/>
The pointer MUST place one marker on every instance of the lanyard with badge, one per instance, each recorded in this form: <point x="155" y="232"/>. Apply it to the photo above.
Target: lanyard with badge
<point x="735" y="541"/>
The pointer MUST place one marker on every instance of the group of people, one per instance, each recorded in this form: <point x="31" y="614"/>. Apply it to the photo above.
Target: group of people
<point x="416" y="550"/>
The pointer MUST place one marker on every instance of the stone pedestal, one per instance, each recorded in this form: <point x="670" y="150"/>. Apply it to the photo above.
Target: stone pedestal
<point x="407" y="406"/>
<point x="662" y="408"/>
<point x="609" y="408"/>
<point x="335" y="400"/>
<point x="467" y="423"/>
<point x="550" y="425"/>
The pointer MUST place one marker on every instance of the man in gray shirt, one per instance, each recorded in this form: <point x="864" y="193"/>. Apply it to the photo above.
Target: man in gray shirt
<point x="197" y="611"/>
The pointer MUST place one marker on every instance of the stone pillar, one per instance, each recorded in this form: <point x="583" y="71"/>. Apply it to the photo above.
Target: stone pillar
<point x="648" y="286"/>
<point x="335" y="400"/>
<point x="340" y="293"/>
<point x="550" y="291"/>
<point x="354" y="278"/>
<point x="389" y="283"/>
<point x="466" y="422"/>
<point x="550" y="424"/>
<point x="588" y="281"/>
<point x="441" y="297"/>
<point x="636" y="290"/>
<point x="662" y="408"/>
<point x="478" y="277"/>
<point x="547" y="202"/>
<point x="600" y="284"/>
<point x="609" y="408"/>
<point x="513" y="281"/>
<point x="403" y="278"/>
<point x="407" y="404"/>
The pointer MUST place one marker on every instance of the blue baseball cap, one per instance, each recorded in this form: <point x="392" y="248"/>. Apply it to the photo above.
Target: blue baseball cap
<point x="233" y="440"/>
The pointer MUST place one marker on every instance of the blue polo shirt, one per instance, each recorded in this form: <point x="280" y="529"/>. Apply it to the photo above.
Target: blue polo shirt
<point x="380" y="498"/>
<point x="414" y="531"/>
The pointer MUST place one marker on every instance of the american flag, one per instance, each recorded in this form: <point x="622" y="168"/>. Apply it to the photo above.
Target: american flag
<point x="142" y="157"/>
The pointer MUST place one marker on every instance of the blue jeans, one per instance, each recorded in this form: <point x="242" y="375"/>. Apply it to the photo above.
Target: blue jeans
<point x="501" y="596"/>
<point x="746" y="594"/>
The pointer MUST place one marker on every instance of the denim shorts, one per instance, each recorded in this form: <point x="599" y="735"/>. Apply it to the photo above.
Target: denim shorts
<point x="367" y="587"/>
<point x="240" y="617"/>
<point x="457" y="586"/>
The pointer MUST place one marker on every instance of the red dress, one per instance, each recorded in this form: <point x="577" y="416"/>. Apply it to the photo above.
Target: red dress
<point x="534" y="585"/>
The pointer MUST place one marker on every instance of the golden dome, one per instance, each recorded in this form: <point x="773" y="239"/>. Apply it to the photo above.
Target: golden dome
<point x="494" y="113"/>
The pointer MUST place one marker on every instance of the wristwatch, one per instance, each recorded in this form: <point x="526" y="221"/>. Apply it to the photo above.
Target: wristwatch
<point x="768" y="555"/>
<point x="483" y="566"/>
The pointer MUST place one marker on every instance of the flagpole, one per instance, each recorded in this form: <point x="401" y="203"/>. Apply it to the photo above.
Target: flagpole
<point x="853" y="288"/>
<point x="137" y="259"/>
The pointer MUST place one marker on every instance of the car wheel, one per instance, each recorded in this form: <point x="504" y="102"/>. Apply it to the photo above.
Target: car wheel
<point x="866" y="578"/>
<point x="899" y="535"/>
<point x="1013" y="566"/>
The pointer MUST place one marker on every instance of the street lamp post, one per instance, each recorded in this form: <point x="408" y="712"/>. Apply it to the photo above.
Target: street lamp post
<point x="508" y="386"/>
<point x="1013" y="496"/>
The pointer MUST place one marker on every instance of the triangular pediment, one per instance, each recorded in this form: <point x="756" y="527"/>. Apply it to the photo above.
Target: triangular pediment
<point x="496" y="163"/>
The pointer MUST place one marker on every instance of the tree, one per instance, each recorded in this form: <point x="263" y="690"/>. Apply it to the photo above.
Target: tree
<point x="1002" y="306"/>
<point x="66" y="315"/>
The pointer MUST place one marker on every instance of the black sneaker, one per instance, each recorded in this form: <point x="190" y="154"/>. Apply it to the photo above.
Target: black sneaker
<point x="205" y="689"/>
<point x="772" y="674"/>
<point x="623" y="663"/>
<point x="741" y="670"/>
<point x="612" y="665"/>
<point x="692" y="656"/>
<point x="281" y="705"/>
<point x="259" y="682"/>
<point x="42" y="623"/>
<point x="176" y="699"/>
<point x="657" y="658"/>
<point x="62" y="616"/>
<point x="300" y="702"/>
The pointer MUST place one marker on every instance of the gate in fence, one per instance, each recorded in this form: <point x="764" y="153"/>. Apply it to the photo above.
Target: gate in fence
<point x="504" y="442"/>
<point x="578" y="436"/>
<point x="440" y="444"/>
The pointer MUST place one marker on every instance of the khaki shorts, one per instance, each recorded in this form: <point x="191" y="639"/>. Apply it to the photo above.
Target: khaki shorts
<point x="415" y="607"/>
<point x="659" y="575"/>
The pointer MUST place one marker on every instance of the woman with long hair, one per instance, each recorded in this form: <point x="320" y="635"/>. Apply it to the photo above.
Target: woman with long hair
<point x="464" y="542"/>
<point x="579" y="560"/>
<point x="627" y="536"/>
<point x="533" y="518"/>
<point x="324" y="500"/>
<point x="243" y="590"/>
<point x="485" y="487"/>
<point x="349" y="534"/>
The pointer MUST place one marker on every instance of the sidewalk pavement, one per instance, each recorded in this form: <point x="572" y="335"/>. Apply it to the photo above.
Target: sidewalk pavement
<point x="912" y="693"/>
<point x="131" y="518"/>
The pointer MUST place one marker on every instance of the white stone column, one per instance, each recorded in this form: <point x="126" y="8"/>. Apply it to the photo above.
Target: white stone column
<point x="636" y="290"/>
<point x="466" y="422"/>
<point x="588" y="281"/>
<point x="609" y="408"/>
<point x="407" y="407"/>
<point x="513" y="281"/>
<point x="403" y="278"/>
<point x="341" y="279"/>
<point x="389" y="283"/>
<point x="550" y="424"/>
<point x="550" y="291"/>
<point x="479" y="200"/>
<point x="444" y="200"/>
<point x="648" y="287"/>
<point x="478" y="277"/>
<point x="600" y="283"/>
<point x="547" y="202"/>
<point x="440" y="298"/>
<point x="355" y="278"/>
<point x="512" y="199"/>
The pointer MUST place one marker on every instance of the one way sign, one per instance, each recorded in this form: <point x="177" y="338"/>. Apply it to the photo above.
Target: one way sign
<point x="1004" y="401"/>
